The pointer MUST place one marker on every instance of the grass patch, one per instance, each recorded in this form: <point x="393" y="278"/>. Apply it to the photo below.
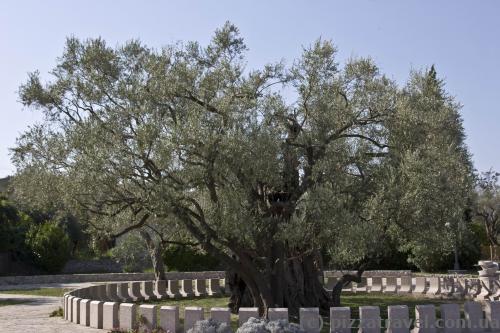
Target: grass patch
<point x="58" y="292"/>
<point x="57" y="313"/>
<point x="5" y="302"/>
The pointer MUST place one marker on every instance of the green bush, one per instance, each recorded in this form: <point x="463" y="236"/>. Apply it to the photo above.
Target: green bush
<point x="50" y="246"/>
<point x="130" y="251"/>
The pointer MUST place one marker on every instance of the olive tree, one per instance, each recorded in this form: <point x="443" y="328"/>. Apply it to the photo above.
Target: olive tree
<point x="265" y="169"/>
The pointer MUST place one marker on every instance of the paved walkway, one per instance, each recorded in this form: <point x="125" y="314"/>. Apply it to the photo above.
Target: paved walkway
<point x="33" y="316"/>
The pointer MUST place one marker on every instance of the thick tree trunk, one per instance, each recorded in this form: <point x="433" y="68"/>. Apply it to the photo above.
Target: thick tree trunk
<point x="155" y="251"/>
<point x="293" y="283"/>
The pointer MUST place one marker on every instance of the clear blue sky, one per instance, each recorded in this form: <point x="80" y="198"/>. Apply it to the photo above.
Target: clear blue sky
<point x="462" y="38"/>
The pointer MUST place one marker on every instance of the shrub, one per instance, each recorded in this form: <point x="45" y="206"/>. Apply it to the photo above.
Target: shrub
<point x="254" y="325"/>
<point x="50" y="246"/>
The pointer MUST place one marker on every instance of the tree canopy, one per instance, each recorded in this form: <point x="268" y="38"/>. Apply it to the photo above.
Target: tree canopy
<point x="264" y="168"/>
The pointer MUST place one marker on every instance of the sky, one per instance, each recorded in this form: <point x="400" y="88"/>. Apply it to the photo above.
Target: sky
<point x="461" y="38"/>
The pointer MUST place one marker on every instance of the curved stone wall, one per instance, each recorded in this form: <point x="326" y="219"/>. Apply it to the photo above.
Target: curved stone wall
<point x="112" y="305"/>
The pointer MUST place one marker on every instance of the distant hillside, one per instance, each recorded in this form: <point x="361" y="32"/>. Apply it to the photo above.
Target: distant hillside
<point x="4" y="182"/>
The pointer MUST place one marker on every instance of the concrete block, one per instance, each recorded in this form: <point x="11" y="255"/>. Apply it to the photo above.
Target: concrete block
<point x="361" y="286"/>
<point x="112" y="292"/>
<point x="85" y="312"/>
<point x="492" y="312"/>
<point x="222" y="315"/>
<point x="96" y="314"/>
<point x="391" y="284"/>
<point x="70" y="308"/>
<point x="76" y="310"/>
<point x="474" y="319"/>
<point x="135" y="291"/>
<point x="200" y="287"/>
<point x="213" y="287"/>
<point x="376" y="284"/>
<point x="123" y="293"/>
<point x="187" y="288"/>
<point x="420" y="285"/>
<point x="192" y="314"/>
<point x="245" y="313"/>
<point x="101" y="293"/>
<point x="160" y="289"/>
<point x="425" y="319"/>
<point x="110" y="316"/>
<point x="398" y="319"/>
<point x="169" y="319"/>
<point x="310" y="320"/>
<point x="340" y="320"/>
<point x="405" y="285"/>
<point x="434" y="286"/>
<point x="369" y="319"/>
<point x="450" y="317"/>
<point x="148" y="315"/>
<point x="277" y="313"/>
<point x="128" y="316"/>
<point x="174" y="289"/>
<point x="147" y="291"/>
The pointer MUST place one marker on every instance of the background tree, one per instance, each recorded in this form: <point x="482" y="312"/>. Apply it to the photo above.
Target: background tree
<point x="488" y="207"/>
<point x="188" y="137"/>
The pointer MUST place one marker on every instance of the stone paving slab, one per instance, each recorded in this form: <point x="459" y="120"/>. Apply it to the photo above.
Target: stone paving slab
<point x="33" y="316"/>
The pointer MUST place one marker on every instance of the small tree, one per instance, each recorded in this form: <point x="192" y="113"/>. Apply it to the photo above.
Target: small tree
<point x="488" y="207"/>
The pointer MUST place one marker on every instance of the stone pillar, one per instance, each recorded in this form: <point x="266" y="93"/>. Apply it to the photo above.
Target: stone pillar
<point x="474" y="320"/>
<point x="245" y="313"/>
<point x="277" y="313"/>
<point x="110" y="317"/>
<point x="128" y="316"/>
<point x="192" y="314"/>
<point x="420" y="285"/>
<point x="405" y="285"/>
<point x="161" y="289"/>
<point x="376" y="284"/>
<point x="200" y="287"/>
<point x="362" y="286"/>
<point x="148" y="314"/>
<point x="101" y="293"/>
<point x="222" y="315"/>
<point x="398" y="319"/>
<point x="369" y="319"/>
<point x="123" y="294"/>
<point x="187" y="288"/>
<point x="85" y="312"/>
<point x="169" y="319"/>
<point x="214" y="287"/>
<point x="112" y="292"/>
<point x="96" y="314"/>
<point x="425" y="319"/>
<point x="135" y="291"/>
<point x="310" y="320"/>
<point x="147" y="291"/>
<point x="434" y="286"/>
<point x="450" y="317"/>
<point x="492" y="312"/>
<point x="76" y="310"/>
<point x="391" y="284"/>
<point x="173" y="289"/>
<point x="340" y="320"/>
<point x="70" y="307"/>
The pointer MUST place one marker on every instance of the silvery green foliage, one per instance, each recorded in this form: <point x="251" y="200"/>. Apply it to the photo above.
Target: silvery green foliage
<point x="210" y="326"/>
<point x="254" y="325"/>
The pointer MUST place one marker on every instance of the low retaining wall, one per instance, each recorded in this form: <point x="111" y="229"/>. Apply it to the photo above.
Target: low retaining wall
<point x="81" y="278"/>
<point x="105" y="277"/>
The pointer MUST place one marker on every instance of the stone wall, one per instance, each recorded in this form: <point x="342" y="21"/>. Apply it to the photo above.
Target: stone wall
<point x="80" y="278"/>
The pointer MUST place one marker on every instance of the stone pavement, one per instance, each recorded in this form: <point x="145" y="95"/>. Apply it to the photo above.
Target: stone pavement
<point x="33" y="316"/>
